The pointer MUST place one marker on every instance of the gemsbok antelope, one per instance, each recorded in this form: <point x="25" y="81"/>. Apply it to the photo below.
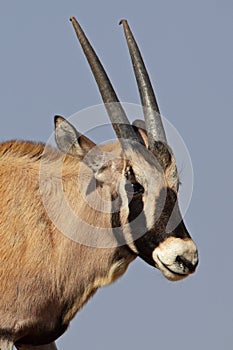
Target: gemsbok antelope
<point x="72" y="220"/>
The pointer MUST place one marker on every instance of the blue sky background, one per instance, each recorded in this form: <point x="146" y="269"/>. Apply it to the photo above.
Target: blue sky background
<point x="187" y="46"/>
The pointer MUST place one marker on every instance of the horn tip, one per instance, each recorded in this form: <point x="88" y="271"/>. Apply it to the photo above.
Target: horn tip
<point x="122" y="21"/>
<point x="72" y="19"/>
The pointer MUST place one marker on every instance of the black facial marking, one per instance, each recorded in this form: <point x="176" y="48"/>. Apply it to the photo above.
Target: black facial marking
<point x="170" y="217"/>
<point x="116" y="220"/>
<point x="137" y="220"/>
<point x="135" y="201"/>
<point x="135" y="209"/>
<point x="152" y="238"/>
<point x="132" y="186"/>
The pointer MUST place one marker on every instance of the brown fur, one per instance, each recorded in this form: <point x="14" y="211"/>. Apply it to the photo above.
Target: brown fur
<point x="45" y="277"/>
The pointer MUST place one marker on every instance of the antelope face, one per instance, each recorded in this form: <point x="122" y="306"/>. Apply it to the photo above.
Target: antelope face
<point x="143" y="186"/>
<point x="142" y="177"/>
<point x="152" y="219"/>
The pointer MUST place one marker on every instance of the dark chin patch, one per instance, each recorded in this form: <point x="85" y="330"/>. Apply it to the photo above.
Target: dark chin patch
<point x="145" y="246"/>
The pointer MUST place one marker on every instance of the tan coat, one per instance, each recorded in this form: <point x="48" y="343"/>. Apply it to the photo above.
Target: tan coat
<point x="45" y="277"/>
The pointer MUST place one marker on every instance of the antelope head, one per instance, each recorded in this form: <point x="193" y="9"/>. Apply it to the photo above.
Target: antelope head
<point x="140" y="173"/>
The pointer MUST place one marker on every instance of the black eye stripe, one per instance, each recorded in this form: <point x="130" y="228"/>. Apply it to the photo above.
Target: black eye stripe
<point x="132" y="185"/>
<point x="138" y="188"/>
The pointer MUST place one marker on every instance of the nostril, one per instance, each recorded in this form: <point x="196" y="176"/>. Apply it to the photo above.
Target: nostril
<point x="186" y="263"/>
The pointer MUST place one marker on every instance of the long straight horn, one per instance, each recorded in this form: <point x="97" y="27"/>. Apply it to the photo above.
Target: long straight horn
<point x="117" y="115"/>
<point x="154" y="125"/>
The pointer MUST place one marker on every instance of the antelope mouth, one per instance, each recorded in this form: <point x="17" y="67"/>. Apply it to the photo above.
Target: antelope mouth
<point x="176" y="258"/>
<point x="179" y="274"/>
<point x="173" y="272"/>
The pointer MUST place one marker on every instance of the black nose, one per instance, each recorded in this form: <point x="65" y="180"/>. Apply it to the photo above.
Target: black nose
<point x="186" y="263"/>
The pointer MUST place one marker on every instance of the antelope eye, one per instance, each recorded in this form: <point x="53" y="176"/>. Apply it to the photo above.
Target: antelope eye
<point x="137" y="188"/>
<point x="134" y="188"/>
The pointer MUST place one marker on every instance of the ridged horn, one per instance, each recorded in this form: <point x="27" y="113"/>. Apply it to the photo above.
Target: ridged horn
<point x="154" y="125"/>
<point x="116" y="113"/>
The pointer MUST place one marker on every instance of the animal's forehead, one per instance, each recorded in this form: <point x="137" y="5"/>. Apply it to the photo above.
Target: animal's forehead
<point x="140" y="157"/>
<point x="134" y="153"/>
<point x="145" y="167"/>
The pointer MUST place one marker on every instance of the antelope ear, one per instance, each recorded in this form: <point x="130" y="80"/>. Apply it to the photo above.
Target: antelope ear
<point x="140" y="127"/>
<point x="69" y="140"/>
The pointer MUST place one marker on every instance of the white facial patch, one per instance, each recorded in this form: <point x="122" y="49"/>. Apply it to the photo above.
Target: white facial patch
<point x="176" y="258"/>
